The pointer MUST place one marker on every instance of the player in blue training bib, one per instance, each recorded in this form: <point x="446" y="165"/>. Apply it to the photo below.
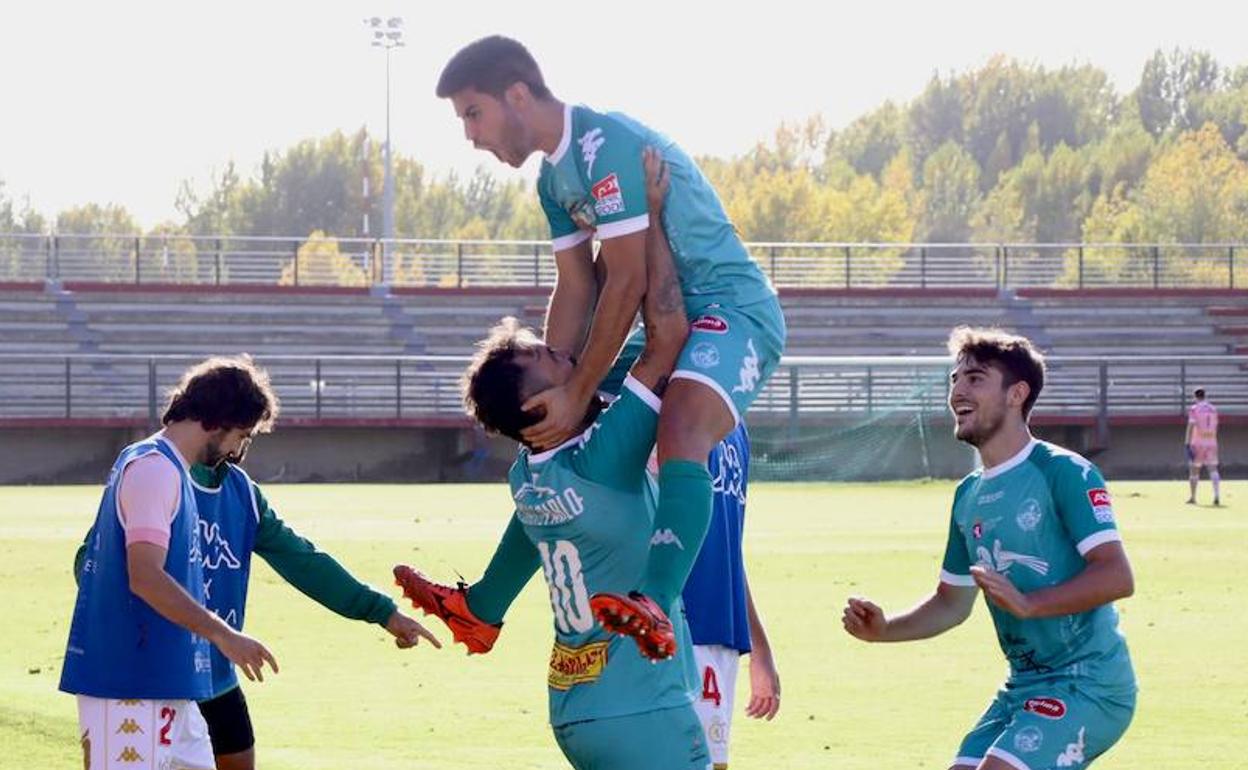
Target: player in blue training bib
<point x="584" y="515"/>
<point x="592" y="186"/>
<point x="1034" y="529"/>
<point x="138" y="656"/>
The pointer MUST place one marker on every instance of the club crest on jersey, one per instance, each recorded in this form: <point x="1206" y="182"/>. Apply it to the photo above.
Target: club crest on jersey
<point x="608" y="199"/>
<point x="1102" y="505"/>
<point x="1028" y="515"/>
<point x="710" y="323"/>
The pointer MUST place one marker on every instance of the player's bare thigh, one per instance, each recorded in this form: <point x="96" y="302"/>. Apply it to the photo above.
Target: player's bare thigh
<point x="694" y="418"/>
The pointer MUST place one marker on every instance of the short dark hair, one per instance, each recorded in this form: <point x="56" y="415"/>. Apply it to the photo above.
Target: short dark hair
<point x="491" y="65"/>
<point x="1199" y="393"/>
<point x="494" y="383"/>
<point x="1013" y="355"/>
<point x="224" y="393"/>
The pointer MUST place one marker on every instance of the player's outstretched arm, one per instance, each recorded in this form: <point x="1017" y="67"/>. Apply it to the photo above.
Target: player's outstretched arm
<point x="145" y="564"/>
<point x="663" y="308"/>
<point x="1106" y="577"/>
<point x="947" y="607"/>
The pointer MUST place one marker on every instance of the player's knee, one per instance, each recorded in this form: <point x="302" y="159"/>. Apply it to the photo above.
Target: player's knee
<point x="693" y="420"/>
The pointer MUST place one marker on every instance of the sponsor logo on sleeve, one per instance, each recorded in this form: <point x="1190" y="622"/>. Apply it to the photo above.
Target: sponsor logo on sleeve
<point x="1049" y="708"/>
<point x="1102" y="506"/>
<point x="608" y="199"/>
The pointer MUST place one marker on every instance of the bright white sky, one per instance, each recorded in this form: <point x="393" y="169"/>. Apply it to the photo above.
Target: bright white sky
<point x="120" y="101"/>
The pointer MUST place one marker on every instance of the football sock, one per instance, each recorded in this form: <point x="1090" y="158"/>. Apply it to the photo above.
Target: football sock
<point x="679" y="528"/>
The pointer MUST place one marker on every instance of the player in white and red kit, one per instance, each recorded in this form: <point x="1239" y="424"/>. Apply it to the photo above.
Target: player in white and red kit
<point x="1202" y="445"/>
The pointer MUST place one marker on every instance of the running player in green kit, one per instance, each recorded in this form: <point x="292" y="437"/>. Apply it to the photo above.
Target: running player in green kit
<point x="592" y="187"/>
<point x="1034" y="528"/>
<point x="584" y="513"/>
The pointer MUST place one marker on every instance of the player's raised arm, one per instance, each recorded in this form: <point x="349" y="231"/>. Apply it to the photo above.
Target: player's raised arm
<point x="663" y="309"/>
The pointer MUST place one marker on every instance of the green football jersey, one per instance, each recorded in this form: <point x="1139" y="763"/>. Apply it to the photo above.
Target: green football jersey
<point x="1033" y="518"/>
<point x="588" y="506"/>
<point x="594" y="184"/>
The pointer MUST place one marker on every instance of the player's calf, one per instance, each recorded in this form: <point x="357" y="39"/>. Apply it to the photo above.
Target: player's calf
<point x="450" y="604"/>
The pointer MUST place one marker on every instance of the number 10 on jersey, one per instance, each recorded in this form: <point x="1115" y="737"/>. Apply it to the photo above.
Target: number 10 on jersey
<point x="568" y="597"/>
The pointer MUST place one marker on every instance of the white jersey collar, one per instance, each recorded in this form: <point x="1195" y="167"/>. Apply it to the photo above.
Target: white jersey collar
<point x="565" y="140"/>
<point x="1011" y="463"/>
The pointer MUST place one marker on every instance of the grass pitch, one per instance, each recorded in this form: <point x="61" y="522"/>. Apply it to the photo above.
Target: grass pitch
<point x="346" y="697"/>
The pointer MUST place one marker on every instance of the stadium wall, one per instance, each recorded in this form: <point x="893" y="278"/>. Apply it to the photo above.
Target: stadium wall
<point x="82" y="454"/>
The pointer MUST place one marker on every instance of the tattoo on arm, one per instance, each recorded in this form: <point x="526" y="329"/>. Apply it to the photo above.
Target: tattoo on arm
<point x="660" y="386"/>
<point x="669" y="297"/>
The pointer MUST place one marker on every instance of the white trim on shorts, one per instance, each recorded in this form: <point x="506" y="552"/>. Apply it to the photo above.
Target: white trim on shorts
<point x="968" y="761"/>
<point x="685" y="374"/>
<point x="1007" y="758"/>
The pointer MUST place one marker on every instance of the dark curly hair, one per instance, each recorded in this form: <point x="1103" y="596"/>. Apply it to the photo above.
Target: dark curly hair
<point x="224" y="393"/>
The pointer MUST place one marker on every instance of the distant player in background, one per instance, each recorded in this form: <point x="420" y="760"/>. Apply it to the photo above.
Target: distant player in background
<point x="1034" y="529"/>
<point x="1201" y="441"/>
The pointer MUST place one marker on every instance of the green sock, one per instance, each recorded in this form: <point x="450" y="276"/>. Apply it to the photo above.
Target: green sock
<point x="679" y="528"/>
<point x="514" y="562"/>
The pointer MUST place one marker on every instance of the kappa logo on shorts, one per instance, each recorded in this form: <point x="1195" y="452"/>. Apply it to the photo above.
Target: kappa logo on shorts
<point x="128" y="727"/>
<point x="710" y="323"/>
<point x="1049" y="708"/>
<point x="666" y="537"/>
<point x="1028" y="739"/>
<point x="1073" y="754"/>
<point x="608" y="198"/>
<point x="705" y="355"/>
<point x="129" y="755"/>
<point x="749" y="373"/>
